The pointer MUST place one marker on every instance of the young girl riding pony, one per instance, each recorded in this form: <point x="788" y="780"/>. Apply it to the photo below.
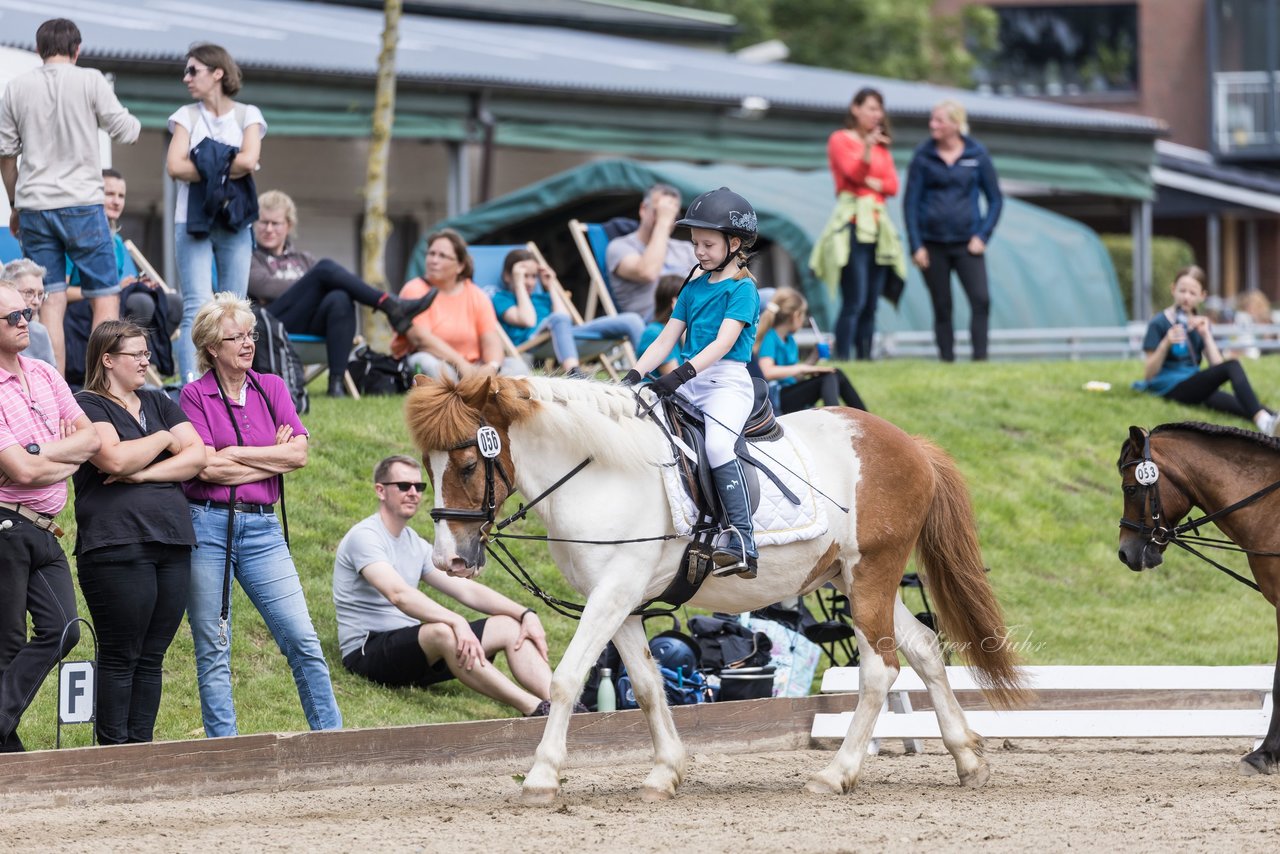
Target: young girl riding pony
<point x="719" y="310"/>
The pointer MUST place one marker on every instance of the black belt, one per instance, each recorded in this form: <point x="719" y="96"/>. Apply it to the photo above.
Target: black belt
<point x="238" y="507"/>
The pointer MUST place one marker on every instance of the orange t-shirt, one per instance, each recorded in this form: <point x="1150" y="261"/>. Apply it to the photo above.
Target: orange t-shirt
<point x="458" y="319"/>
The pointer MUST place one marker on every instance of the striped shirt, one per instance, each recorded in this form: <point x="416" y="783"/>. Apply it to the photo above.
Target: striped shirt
<point x="24" y="420"/>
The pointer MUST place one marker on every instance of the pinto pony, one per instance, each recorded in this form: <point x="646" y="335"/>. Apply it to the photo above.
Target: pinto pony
<point x="1176" y="467"/>
<point x="901" y="493"/>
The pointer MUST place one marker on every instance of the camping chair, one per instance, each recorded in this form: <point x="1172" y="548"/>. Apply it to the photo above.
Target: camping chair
<point x="592" y="242"/>
<point x="315" y="360"/>
<point x="488" y="277"/>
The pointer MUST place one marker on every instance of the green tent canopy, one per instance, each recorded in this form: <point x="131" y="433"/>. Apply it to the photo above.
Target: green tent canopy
<point x="1045" y="270"/>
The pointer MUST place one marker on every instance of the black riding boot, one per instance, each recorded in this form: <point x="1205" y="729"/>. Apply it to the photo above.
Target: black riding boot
<point x="738" y="555"/>
<point x="402" y="312"/>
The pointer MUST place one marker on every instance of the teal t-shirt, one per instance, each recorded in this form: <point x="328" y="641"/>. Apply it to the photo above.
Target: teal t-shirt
<point x="703" y="306"/>
<point x="782" y="352"/>
<point x="504" y="299"/>
<point x="1178" y="366"/>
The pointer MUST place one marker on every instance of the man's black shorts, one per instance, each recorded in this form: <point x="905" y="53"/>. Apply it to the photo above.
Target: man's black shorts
<point x="394" y="658"/>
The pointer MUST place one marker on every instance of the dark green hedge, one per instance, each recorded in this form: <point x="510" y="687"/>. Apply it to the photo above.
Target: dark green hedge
<point x="1168" y="256"/>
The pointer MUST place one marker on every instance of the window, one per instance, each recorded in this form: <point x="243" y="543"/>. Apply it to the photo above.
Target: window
<point x="1063" y="50"/>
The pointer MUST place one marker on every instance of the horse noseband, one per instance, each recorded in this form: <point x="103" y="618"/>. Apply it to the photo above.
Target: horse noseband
<point x="489" y="443"/>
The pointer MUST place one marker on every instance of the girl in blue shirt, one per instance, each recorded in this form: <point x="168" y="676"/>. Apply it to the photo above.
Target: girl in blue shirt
<point x="719" y="311"/>
<point x="525" y="310"/>
<point x="1177" y="338"/>
<point x="800" y="385"/>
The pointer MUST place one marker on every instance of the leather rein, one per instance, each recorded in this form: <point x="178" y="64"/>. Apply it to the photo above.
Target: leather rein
<point x="1147" y="475"/>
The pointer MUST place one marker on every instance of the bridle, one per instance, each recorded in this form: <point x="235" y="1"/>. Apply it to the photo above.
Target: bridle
<point x="1147" y="474"/>
<point x="489" y="444"/>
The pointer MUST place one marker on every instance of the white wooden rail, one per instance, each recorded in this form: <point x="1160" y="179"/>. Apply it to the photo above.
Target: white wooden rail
<point x="1071" y="343"/>
<point x="1073" y="723"/>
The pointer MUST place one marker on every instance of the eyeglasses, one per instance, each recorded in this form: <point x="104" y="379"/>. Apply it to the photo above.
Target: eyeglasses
<point x="32" y="295"/>
<point x="14" y="316"/>
<point x="241" y="337"/>
<point x="44" y="418"/>
<point x="191" y="71"/>
<point x="141" y="355"/>
<point x="406" y="485"/>
<point x="442" y="256"/>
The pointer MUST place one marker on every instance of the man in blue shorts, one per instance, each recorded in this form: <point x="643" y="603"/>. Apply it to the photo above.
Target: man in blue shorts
<point x="392" y="633"/>
<point x="51" y="116"/>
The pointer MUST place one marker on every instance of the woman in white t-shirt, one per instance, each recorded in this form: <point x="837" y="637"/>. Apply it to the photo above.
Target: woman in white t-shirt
<point x="213" y="78"/>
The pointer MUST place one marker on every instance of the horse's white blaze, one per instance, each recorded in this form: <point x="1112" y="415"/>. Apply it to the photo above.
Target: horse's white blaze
<point x="445" y="548"/>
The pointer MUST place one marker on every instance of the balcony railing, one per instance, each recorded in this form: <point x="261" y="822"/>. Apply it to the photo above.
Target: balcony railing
<point x="1246" y="108"/>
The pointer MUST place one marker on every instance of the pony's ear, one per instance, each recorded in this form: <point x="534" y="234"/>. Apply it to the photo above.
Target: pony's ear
<point x="1137" y="435"/>
<point x="422" y="379"/>
<point x="475" y="393"/>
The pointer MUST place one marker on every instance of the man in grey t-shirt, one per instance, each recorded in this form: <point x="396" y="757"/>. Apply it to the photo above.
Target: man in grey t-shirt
<point x="638" y="260"/>
<point x="392" y="633"/>
<point x="51" y="116"/>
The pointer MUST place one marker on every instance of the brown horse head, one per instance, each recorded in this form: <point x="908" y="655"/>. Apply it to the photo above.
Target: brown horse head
<point x="1153" y="501"/>
<point x="445" y="418"/>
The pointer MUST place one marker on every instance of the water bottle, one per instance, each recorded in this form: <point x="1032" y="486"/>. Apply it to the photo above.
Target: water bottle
<point x="606" y="696"/>
<point x="1179" y="350"/>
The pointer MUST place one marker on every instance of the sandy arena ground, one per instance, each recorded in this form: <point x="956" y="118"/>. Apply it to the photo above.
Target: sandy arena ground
<point x="1156" y="795"/>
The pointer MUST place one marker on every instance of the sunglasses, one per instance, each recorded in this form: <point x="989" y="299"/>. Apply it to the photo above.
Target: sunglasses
<point x="406" y="485"/>
<point x="191" y="71"/>
<point x="14" y="316"/>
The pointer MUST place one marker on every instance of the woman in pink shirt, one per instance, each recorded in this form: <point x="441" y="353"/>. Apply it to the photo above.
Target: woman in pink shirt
<point x="864" y="176"/>
<point x="252" y="438"/>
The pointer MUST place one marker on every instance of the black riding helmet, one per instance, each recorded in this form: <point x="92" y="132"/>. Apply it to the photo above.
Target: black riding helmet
<point x="724" y="211"/>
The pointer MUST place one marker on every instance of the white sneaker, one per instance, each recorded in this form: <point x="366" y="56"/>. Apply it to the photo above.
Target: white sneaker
<point x="1270" y="421"/>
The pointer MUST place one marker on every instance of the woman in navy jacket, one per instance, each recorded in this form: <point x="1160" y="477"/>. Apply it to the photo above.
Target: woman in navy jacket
<point x="945" y="223"/>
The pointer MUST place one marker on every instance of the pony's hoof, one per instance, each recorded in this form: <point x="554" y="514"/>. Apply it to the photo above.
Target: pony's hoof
<point x="977" y="778"/>
<point x="1256" y="763"/>
<point x="537" y="797"/>
<point x="823" y="786"/>
<point x="656" y="796"/>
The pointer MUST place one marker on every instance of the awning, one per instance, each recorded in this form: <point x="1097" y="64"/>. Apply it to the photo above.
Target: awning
<point x="1045" y="270"/>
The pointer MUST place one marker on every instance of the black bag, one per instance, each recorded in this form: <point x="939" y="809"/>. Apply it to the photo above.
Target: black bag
<point x="275" y="355"/>
<point x="726" y="643"/>
<point x="378" y="373"/>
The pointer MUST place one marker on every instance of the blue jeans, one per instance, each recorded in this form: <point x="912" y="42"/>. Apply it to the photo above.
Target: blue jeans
<point x="861" y="282"/>
<point x="232" y="251"/>
<point x="564" y="335"/>
<point x="261" y="563"/>
<point x="80" y="233"/>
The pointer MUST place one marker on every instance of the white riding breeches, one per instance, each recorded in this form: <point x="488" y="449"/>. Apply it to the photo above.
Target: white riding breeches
<point x="724" y="392"/>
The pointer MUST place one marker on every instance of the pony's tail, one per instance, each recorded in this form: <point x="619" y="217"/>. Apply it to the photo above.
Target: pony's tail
<point x="954" y="574"/>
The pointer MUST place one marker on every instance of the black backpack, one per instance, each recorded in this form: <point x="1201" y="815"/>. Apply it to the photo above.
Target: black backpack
<point x="378" y="373"/>
<point x="275" y="355"/>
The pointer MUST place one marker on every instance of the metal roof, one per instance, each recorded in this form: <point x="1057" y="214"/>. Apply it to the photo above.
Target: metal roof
<point x="293" y="36"/>
<point x="639" y="17"/>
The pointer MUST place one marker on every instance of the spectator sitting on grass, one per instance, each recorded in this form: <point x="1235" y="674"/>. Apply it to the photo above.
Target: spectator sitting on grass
<point x="392" y="633"/>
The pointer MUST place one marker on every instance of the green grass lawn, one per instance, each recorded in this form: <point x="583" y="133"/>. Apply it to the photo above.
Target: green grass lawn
<point x="1039" y="454"/>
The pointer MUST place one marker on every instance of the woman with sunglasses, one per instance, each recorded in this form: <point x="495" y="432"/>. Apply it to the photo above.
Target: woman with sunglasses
<point x="213" y="79"/>
<point x="252" y="438"/>
<point x="133" y="531"/>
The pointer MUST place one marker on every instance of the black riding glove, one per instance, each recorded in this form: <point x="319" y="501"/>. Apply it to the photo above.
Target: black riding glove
<point x="633" y="377"/>
<point x="666" y="385"/>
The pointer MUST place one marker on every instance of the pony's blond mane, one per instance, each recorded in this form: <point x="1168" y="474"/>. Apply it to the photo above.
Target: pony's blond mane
<point x="598" y="418"/>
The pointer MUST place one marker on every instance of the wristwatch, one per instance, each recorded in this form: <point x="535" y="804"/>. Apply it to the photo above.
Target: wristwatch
<point x="33" y="449"/>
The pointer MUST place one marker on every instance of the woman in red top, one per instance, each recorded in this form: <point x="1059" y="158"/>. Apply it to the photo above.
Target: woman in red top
<point x="862" y="166"/>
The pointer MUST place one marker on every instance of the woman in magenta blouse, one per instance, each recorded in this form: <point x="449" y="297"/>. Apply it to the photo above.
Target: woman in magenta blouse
<point x="252" y="438"/>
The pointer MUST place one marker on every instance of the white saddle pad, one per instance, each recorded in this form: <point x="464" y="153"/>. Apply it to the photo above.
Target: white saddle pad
<point x="777" y="521"/>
